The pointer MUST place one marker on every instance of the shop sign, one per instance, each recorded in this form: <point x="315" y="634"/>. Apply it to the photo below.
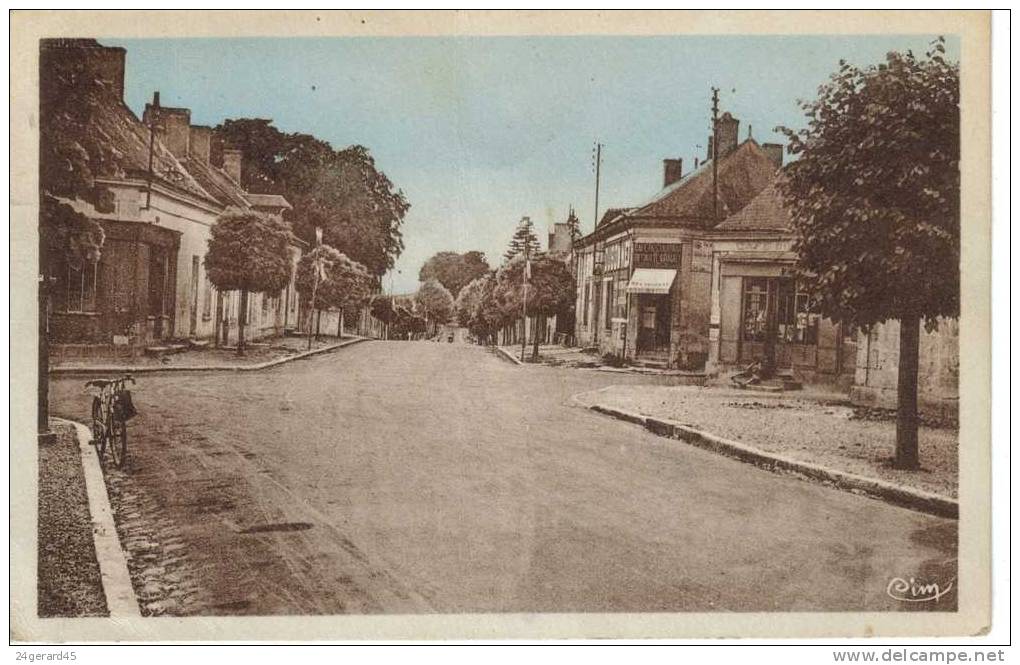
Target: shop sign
<point x="657" y="255"/>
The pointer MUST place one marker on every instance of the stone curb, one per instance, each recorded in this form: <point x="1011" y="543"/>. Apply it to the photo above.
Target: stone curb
<point x="124" y="369"/>
<point x="509" y="356"/>
<point x="919" y="500"/>
<point x="113" y="569"/>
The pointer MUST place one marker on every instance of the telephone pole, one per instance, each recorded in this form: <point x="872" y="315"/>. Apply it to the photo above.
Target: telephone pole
<point x="715" y="153"/>
<point x="595" y="246"/>
<point x="524" y="299"/>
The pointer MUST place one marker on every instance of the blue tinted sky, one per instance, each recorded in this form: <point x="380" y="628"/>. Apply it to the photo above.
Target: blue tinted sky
<point x="480" y="131"/>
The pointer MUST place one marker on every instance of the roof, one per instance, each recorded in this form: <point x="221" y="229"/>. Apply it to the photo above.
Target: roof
<point x="127" y="141"/>
<point x="613" y="213"/>
<point x="743" y="174"/>
<point x="216" y="182"/>
<point x="765" y="212"/>
<point x="268" y="201"/>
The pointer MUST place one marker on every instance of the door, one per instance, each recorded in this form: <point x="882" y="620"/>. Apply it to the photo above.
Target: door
<point x="653" y="324"/>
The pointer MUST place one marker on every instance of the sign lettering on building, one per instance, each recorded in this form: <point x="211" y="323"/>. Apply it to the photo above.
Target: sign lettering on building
<point x="656" y="255"/>
<point x="701" y="256"/>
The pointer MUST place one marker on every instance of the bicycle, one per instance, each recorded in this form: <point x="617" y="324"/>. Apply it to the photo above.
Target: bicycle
<point x="111" y="409"/>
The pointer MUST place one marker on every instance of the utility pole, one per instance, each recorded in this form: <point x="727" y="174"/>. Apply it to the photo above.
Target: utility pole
<point x="597" y="295"/>
<point x="715" y="153"/>
<point x="524" y="300"/>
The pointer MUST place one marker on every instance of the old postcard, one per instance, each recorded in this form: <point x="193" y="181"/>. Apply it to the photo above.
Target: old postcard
<point x="441" y="325"/>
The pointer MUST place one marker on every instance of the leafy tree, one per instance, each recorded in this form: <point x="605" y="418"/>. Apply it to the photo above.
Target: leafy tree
<point x="340" y="191"/>
<point x="250" y="253"/>
<point x="549" y="291"/>
<point x="454" y="270"/>
<point x="342" y="284"/>
<point x="875" y="198"/>
<point x="436" y="301"/>
<point x="524" y="238"/>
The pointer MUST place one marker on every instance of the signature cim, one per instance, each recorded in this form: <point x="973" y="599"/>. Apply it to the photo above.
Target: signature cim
<point x="914" y="591"/>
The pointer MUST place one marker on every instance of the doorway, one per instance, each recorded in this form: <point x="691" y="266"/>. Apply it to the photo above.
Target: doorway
<point x="653" y="326"/>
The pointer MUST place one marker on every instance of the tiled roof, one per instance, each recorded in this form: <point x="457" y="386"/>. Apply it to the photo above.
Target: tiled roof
<point x="115" y="126"/>
<point x="268" y="201"/>
<point x="611" y="214"/>
<point x="743" y="173"/>
<point x="764" y="213"/>
<point x="216" y="182"/>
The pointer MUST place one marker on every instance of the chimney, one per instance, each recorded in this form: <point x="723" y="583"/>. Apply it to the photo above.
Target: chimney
<point x="232" y="163"/>
<point x="200" y="141"/>
<point x="774" y="151"/>
<point x="672" y="170"/>
<point x="727" y="131"/>
<point x="173" y="125"/>
<point x="102" y="63"/>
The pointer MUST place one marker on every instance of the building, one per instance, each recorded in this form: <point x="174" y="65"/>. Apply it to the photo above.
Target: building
<point x="644" y="274"/>
<point x="149" y="286"/>
<point x="755" y="296"/>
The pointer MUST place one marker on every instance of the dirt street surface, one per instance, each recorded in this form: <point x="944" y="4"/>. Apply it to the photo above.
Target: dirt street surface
<point x="403" y="477"/>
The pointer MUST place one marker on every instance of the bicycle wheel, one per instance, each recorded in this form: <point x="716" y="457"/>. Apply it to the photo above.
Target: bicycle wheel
<point x="118" y="442"/>
<point x="98" y="428"/>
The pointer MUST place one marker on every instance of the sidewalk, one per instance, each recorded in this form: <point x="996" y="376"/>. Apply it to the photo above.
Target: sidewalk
<point x="69" y="579"/>
<point x="555" y="355"/>
<point x="258" y="355"/>
<point x="804" y="426"/>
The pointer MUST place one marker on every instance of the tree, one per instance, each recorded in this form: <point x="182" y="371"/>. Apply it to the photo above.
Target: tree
<point x="435" y="300"/>
<point x="454" y="270"/>
<point x="524" y="237"/>
<point x="71" y="157"/>
<point x="340" y="191"/>
<point x="328" y="279"/>
<point x="550" y="290"/>
<point x="875" y="199"/>
<point x="250" y="253"/>
<point x="574" y="224"/>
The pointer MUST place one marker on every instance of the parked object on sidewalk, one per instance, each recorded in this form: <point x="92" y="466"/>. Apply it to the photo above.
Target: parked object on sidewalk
<point x="112" y="407"/>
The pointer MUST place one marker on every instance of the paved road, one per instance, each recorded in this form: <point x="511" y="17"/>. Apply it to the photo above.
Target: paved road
<point x="420" y="477"/>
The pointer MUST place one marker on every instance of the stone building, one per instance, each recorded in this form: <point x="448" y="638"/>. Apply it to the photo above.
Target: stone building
<point x="149" y="286"/>
<point x="755" y="296"/>
<point x="644" y="274"/>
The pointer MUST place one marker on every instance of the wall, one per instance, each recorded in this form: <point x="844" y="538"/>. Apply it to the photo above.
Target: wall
<point x="877" y="368"/>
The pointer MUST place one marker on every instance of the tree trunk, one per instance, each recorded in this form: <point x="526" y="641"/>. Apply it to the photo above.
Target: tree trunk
<point x="539" y="324"/>
<point x="318" y="323"/>
<point x="218" y="326"/>
<point x="340" y="326"/>
<point x="906" y="393"/>
<point x="242" y="319"/>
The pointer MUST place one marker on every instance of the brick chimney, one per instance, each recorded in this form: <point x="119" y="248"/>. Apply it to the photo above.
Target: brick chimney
<point x="672" y="171"/>
<point x="200" y="141"/>
<point x="774" y="151"/>
<point x="173" y="125"/>
<point x="727" y="131"/>
<point x="102" y="63"/>
<point x="232" y="163"/>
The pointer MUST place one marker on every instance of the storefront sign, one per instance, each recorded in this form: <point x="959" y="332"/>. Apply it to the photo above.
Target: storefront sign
<point x="656" y="255"/>
<point x="701" y="256"/>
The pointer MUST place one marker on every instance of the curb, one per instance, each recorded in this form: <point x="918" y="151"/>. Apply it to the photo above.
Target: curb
<point x="113" y="570"/>
<point x="919" y="500"/>
<point x="509" y="356"/>
<point x="123" y="369"/>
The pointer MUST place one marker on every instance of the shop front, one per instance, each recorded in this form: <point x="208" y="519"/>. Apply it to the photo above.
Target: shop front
<point x="763" y="310"/>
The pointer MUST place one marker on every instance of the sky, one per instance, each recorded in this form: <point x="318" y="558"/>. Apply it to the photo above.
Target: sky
<point x="480" y="131"/>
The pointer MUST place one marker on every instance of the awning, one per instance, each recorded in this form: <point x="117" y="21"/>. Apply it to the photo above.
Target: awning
<point x="651" y="280"/>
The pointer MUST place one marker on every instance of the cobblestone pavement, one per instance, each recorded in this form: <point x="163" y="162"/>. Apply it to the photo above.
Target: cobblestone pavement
<point x="408" y="477"/>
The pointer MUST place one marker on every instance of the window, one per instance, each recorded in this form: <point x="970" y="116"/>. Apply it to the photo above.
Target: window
<point x="795" y="323"/>
<point x="80" y="295"/>
<point x="756" y="294"/>
<point x="587" y="304"/>
<point x="610" y="305"/>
